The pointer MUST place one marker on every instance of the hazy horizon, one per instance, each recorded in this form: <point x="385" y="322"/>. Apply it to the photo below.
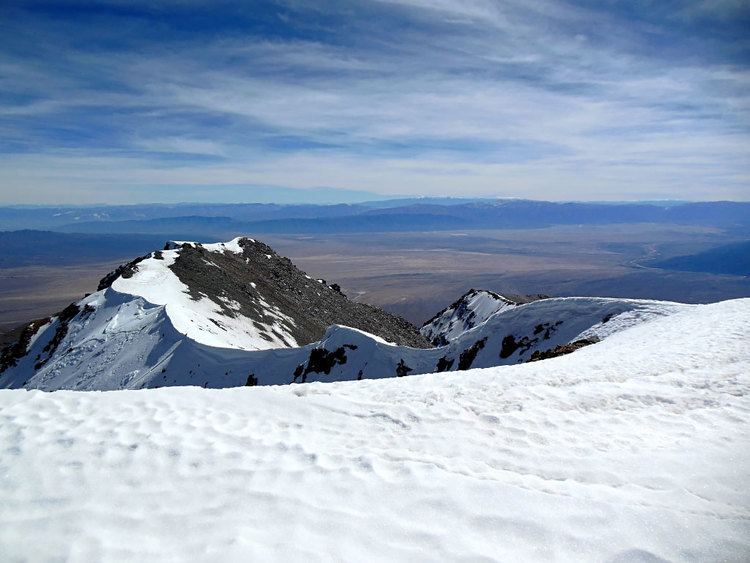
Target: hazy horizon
<point x="353" y="197"/>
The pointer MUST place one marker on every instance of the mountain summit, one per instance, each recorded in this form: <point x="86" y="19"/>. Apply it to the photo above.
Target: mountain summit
<point x="242" y="294"/>
<point x="232" y="296"/>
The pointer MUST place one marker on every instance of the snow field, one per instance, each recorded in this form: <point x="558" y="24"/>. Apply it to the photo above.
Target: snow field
<point x="636" y="448"/>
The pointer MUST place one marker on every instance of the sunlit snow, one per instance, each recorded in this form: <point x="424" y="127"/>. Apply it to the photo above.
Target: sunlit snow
<point x="201" y="320"/>
<point x="636" y="448"/>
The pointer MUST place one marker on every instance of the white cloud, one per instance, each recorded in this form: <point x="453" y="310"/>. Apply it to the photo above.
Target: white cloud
<point x="475" y="98"/>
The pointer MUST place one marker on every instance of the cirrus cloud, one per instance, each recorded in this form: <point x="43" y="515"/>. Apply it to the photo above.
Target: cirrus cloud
<point x="541" y="99"/>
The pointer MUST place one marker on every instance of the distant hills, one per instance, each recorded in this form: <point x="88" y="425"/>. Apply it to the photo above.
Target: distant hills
<point x="731" y="259"/>
<point x="48" y="248"/>
<point x="434" y="214"/>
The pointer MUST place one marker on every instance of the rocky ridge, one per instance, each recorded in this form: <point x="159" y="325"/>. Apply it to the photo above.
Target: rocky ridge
<point x="236" y="313"/>
<point x="258" y="279"/>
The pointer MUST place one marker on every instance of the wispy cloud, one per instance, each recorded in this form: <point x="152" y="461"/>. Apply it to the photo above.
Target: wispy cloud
<point x="537" y="99"/>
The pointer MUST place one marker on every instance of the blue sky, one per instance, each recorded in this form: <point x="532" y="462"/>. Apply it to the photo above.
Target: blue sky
<point x="128" y="101"/>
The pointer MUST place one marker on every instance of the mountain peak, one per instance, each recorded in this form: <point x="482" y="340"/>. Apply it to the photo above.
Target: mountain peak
<point x="242" y="294"/>
<point x="471" y="309"/>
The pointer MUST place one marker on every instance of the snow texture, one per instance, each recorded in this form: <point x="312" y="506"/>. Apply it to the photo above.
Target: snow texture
<point x="636" y="448"/>
<point x="121" y="342"/>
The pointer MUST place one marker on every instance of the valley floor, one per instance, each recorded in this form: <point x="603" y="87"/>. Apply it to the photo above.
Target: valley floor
<point x="635" y="448"/>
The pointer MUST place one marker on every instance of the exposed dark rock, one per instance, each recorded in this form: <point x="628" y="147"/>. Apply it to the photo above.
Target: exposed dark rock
<point x="444" y="364"/>
<point x="402" y="369"/>
<point x="126" y="271"/>
<point x="439" y="340"/>
<point x="509" y="345"/>
<point x="467" y="356"/>
<point x="322" y="361"/>
<point x="252" y="381"/>
<point x="10" y="354"/>
<point x="608" y="318"/>
<point x="562" y="349"/>
<point x="547" y="328"/>
<point x="550" y="329"/>
<point x="526" y="298"/>
<point x="63" y="320"/>
<point x="259" y="278"/>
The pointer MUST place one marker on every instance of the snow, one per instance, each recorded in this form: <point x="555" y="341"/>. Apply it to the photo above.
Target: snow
<point x="636" y="448"/>
<point x="474" y="308"/>
<point x="38" y="333"/>
<point x="232" y="246"/>
<point x="125" y="342"/>
<point x="201" y="320"/>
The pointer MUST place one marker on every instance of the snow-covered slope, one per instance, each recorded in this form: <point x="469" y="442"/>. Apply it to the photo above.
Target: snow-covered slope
<point x="470" y="310"/>
<point x="241" y="294"/>
<point x="178" y="304"/>
<point x="636" y="448"/>
<point x="233" y="314"/>
<point x="215" y="322"/>
<point x="111" y="340"/>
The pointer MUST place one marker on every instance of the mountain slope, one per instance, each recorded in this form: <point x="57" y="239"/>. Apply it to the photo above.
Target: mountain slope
<point x="187" y="299"/>
<point x="236" y="313"/>
<point x="635" y="448"/>
<point x="471" y="309"/>
<point x="241" y="294"/>
<point x="110" y="340"/>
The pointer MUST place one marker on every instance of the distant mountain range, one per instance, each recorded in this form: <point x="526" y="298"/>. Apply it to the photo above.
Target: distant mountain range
<point x="225" y="220"/>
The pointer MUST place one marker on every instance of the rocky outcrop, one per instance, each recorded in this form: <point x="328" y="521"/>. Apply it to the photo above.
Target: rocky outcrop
<point x="13" y="352"/>
<point x="125" y="271"/>
<point x="258" y="280"/>
<point x="322" y="361"/>
<point x="467" y="356"/>
<point x="562" y="349"/>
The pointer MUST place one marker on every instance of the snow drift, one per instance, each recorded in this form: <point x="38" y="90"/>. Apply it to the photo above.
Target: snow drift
<point x="633" y="448"/>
